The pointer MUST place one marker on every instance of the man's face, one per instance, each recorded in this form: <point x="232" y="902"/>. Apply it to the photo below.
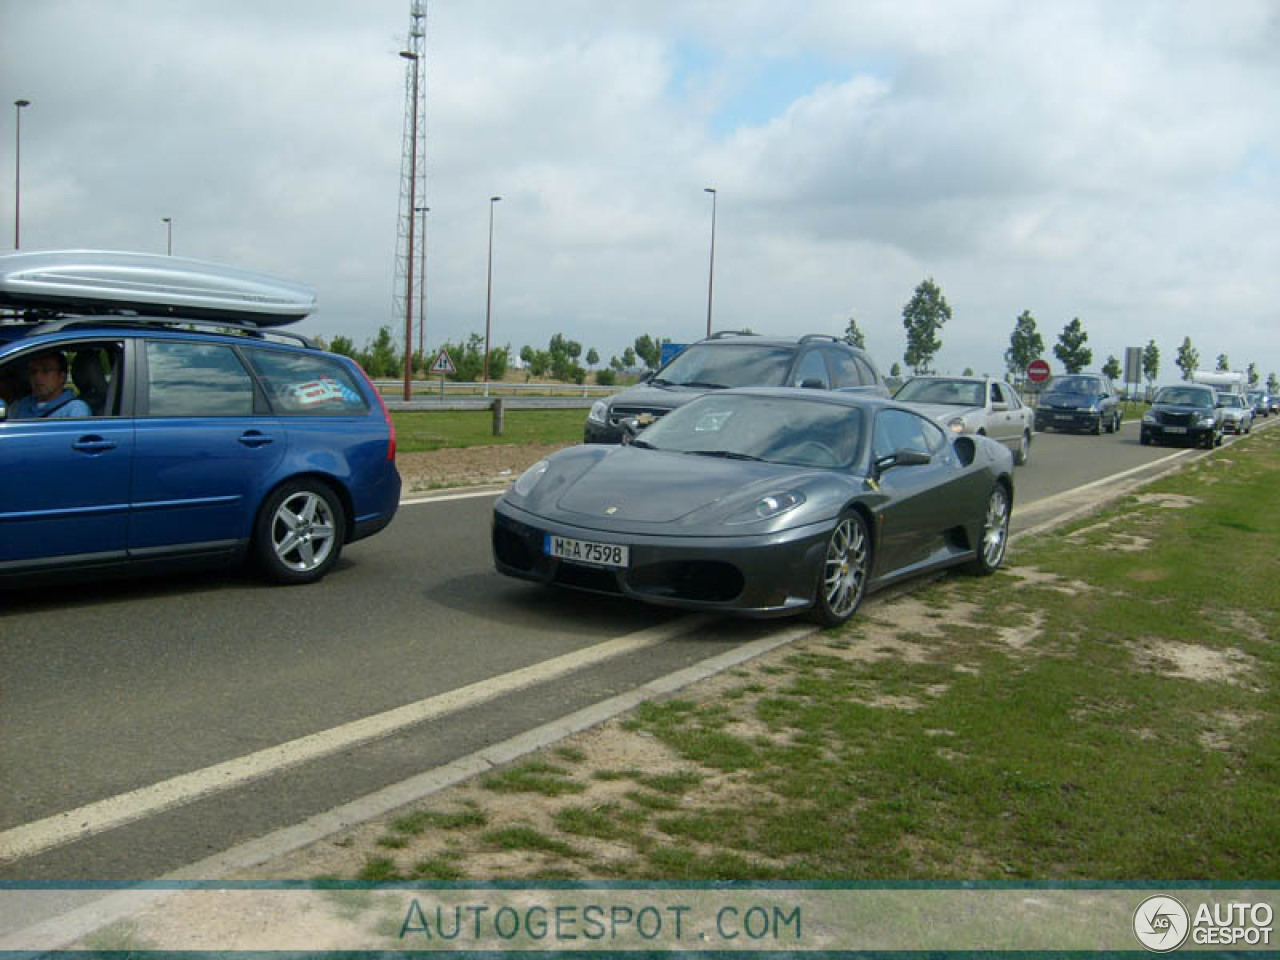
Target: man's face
<point x="47" y="377"/>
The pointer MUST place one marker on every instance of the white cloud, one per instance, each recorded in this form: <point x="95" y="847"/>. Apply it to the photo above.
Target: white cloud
<point x="1112" y="162"/>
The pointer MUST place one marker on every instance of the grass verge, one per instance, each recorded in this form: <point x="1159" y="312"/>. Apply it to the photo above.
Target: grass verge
<point x="419" y="430"/>
<point x="1103" y="709"/>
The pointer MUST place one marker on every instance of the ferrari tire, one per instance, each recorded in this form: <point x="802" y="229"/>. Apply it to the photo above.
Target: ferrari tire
<point x="846" y="564"/>
<point x="299" y="532"/>
<point x="995" y="533"/>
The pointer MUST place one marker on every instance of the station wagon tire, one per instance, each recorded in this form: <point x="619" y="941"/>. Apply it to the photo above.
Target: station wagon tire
<point x="1098" y="427"/>
<point x="299" y="532"/>
<point x="995" y="534"/>
<point x="1023" y="453"/>
<point x="842" y="579"/>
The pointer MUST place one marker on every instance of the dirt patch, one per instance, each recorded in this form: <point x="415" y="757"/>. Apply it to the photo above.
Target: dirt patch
<point x="1193" y="662"/>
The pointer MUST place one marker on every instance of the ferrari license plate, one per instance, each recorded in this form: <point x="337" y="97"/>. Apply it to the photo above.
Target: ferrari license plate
<point x="585" y="551"/>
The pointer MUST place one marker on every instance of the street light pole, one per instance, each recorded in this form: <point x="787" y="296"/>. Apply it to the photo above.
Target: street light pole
<point x="711" y="271"/>
<point x="17" y="171"/>
<point x="168" y="222"/>
<point x="488" y="299"/>
<point x="408" y="273"/>
<point x="422" y="288"/>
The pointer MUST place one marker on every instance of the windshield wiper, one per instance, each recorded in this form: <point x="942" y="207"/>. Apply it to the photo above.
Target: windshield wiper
<point x="705" y="386"/>
<point x="642" y="444"/>
<point x="726" y="454"/>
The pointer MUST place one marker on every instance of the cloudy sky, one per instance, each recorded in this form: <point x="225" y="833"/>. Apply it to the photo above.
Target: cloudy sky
<point x="1116" y="161"/>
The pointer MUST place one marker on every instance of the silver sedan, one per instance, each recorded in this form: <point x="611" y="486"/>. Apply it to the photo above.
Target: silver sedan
<point x="979" y="405"/>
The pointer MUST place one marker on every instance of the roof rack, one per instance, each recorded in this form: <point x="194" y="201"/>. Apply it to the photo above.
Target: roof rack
<point x="119" y="320"/>
<point x="721" y="334"/>
<point x="810" y="337"/>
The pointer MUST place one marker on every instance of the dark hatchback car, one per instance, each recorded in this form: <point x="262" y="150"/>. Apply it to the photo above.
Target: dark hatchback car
<point x="1079" y="401"/>
<point x="724" y="360"/>
<point x="189" y="429"/>
<point x="1185" y="413"/>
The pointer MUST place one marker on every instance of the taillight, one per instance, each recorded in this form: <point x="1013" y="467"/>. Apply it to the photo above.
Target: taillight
<point x="386" y="414"/>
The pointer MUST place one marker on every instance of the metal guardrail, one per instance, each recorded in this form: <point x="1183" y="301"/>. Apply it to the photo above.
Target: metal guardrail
<point x="454" y="389"/>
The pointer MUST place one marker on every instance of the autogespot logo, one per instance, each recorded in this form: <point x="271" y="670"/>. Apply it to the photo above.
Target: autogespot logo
<point x="1161" y="923"/>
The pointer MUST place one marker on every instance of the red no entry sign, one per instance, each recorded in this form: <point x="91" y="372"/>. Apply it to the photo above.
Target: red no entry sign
<point x="1037" y="371"/>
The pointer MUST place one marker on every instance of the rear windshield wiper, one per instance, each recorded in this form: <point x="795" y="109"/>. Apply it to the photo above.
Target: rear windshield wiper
<point x="726" y="454"/>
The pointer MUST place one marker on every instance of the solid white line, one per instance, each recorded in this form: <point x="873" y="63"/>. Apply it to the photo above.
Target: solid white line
<point x="111" y="812"/>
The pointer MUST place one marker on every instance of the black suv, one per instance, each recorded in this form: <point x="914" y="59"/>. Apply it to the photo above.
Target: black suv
<point x="1186" y="412"/>
<point x="725" y="359"/>
<point x="1079" y="401"/>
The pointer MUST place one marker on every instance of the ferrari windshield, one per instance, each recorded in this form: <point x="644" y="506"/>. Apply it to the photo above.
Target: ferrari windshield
<point x="961" y="393"/>
<point x="788" y="430"/>
<point x="728" y="365"/>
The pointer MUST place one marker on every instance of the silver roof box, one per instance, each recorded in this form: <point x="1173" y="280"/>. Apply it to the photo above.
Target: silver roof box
<point x="106" y="281"/>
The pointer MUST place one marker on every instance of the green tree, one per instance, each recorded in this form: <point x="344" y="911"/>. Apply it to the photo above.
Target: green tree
<point x="592" y="357"/>
<point x="628" y="358"/>
<point x="923" y="317"/>
<point x="607" y="377"/>
<point x="1071" y="349"/>
<point x="615" y="364"/>
<point x="853" y="336"/>
<point x="895" y="371"/>
<point x="1253" y="375"/>
<point x="649" y="350"/>
<point x="1151" y="362"/>
<point x="1112" y="367"/>
<point x="968" y="372"/>
<point x="380" y="358"/>
<point x="1223" y="363"/>
<point x="344" y="346"/>
<point x="1273" y="385"/>
<point x="1025" y="345"/>
<point x="1188" y="358"/>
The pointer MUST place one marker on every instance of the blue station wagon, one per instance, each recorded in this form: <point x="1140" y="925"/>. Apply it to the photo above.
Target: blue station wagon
<point x="154" y="415"/>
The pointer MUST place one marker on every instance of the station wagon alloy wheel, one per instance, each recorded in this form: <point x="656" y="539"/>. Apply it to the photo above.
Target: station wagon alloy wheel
<point x="844" y="573"/>
<point x="300" y="533"/>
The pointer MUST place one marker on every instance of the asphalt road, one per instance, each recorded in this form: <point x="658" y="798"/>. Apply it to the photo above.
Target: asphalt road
<point x="128" y="709"/>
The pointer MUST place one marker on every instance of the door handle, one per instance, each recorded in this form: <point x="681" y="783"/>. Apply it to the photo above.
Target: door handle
<point x="93" y="445"/>
<point x="252" y="438"/>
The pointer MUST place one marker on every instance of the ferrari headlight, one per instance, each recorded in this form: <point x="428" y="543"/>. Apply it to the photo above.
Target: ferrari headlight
<point x="529" y="479"/>
<point x="768" y="507"/>
<point x="956" y="425"/>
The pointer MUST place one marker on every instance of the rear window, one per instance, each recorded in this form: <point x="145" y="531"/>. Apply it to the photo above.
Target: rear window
<point x="303" y="385"/>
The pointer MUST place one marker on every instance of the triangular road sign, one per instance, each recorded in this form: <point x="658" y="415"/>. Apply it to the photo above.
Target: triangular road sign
<point x="444" y="363"/>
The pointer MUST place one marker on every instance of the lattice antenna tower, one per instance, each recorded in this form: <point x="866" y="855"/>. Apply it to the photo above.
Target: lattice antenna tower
<point x="410" y="223"/>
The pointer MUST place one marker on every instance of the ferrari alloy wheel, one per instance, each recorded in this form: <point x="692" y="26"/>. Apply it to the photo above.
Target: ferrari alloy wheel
<point x="995" y="533"/>
<point x="299" y="532"/>
<point x="844" y="571"/>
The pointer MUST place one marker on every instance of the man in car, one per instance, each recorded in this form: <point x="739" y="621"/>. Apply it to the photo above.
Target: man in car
<point x="50" y="397"/>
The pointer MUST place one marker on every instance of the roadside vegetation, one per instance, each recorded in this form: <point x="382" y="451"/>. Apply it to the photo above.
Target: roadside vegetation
<point x="1105" y="708"/>
<point x="418" y="430"/>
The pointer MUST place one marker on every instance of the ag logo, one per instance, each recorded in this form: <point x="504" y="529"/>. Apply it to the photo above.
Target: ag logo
<point x="1161" y="923"/>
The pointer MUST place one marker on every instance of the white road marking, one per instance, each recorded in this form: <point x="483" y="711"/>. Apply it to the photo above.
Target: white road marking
<point x="111" y="812"/>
